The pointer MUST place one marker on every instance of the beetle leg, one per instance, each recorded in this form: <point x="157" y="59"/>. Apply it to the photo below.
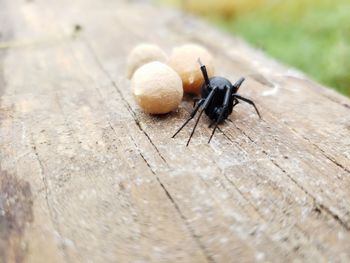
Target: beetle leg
<point x="238" y="83"/>
<point x="211" y="123"/>
<point x="193" y="113"/>
<point x="247" y="101"/>
<point x="235" y="102"/>
<point x="195" y="100"/>
<point x="224" y="109"/>
<point x="203" y="108"/>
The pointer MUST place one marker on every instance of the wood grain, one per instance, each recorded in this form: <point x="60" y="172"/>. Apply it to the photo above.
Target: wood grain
<point x="87" y="177"/>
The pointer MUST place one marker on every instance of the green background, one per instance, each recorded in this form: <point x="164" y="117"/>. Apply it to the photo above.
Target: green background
<point x="311" y="35"/>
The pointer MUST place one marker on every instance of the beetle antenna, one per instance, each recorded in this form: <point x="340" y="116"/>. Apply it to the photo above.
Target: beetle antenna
<point x="204" y="72"/>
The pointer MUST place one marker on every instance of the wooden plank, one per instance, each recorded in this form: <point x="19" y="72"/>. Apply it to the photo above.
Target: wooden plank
<point x="95" y="179"/>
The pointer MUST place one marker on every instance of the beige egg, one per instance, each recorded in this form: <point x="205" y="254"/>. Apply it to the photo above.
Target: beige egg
<point x="142" y="54"/>
<point x="184" y="60"/>
<point x="157" y="88"/>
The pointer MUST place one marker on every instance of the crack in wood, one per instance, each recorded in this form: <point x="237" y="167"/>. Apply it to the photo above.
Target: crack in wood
<point x="52" y="215"/>
<point x="195" y="237"/>
<point x="322" y="206"/>
<point x="175" y="205"/>
<point x="126" y="103"/>
<point x="320" y="150"/>
<point x="318" y="208"/>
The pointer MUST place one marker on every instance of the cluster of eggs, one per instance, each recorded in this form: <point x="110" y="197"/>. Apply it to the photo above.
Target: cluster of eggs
<point x="158" y="81"/>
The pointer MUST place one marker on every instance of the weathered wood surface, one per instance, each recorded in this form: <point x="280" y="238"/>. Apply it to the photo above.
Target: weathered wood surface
<point x="87" y="177"/>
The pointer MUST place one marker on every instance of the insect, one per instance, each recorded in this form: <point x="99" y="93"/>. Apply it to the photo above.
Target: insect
<point x="217" y="100"/>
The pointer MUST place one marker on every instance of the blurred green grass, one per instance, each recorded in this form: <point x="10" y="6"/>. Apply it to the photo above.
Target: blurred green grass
<point x="311" y="35"/>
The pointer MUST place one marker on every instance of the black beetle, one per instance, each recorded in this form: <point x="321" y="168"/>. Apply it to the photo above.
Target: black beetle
<point x="217" y="100"/>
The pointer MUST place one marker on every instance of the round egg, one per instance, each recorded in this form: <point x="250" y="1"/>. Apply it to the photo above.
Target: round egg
<point x="184" y="60"/>
<point x="142" y="54"/>
<point x="157" y="88"/>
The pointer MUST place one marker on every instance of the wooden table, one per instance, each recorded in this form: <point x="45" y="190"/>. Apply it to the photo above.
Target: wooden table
<point x="87" y="177"/>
